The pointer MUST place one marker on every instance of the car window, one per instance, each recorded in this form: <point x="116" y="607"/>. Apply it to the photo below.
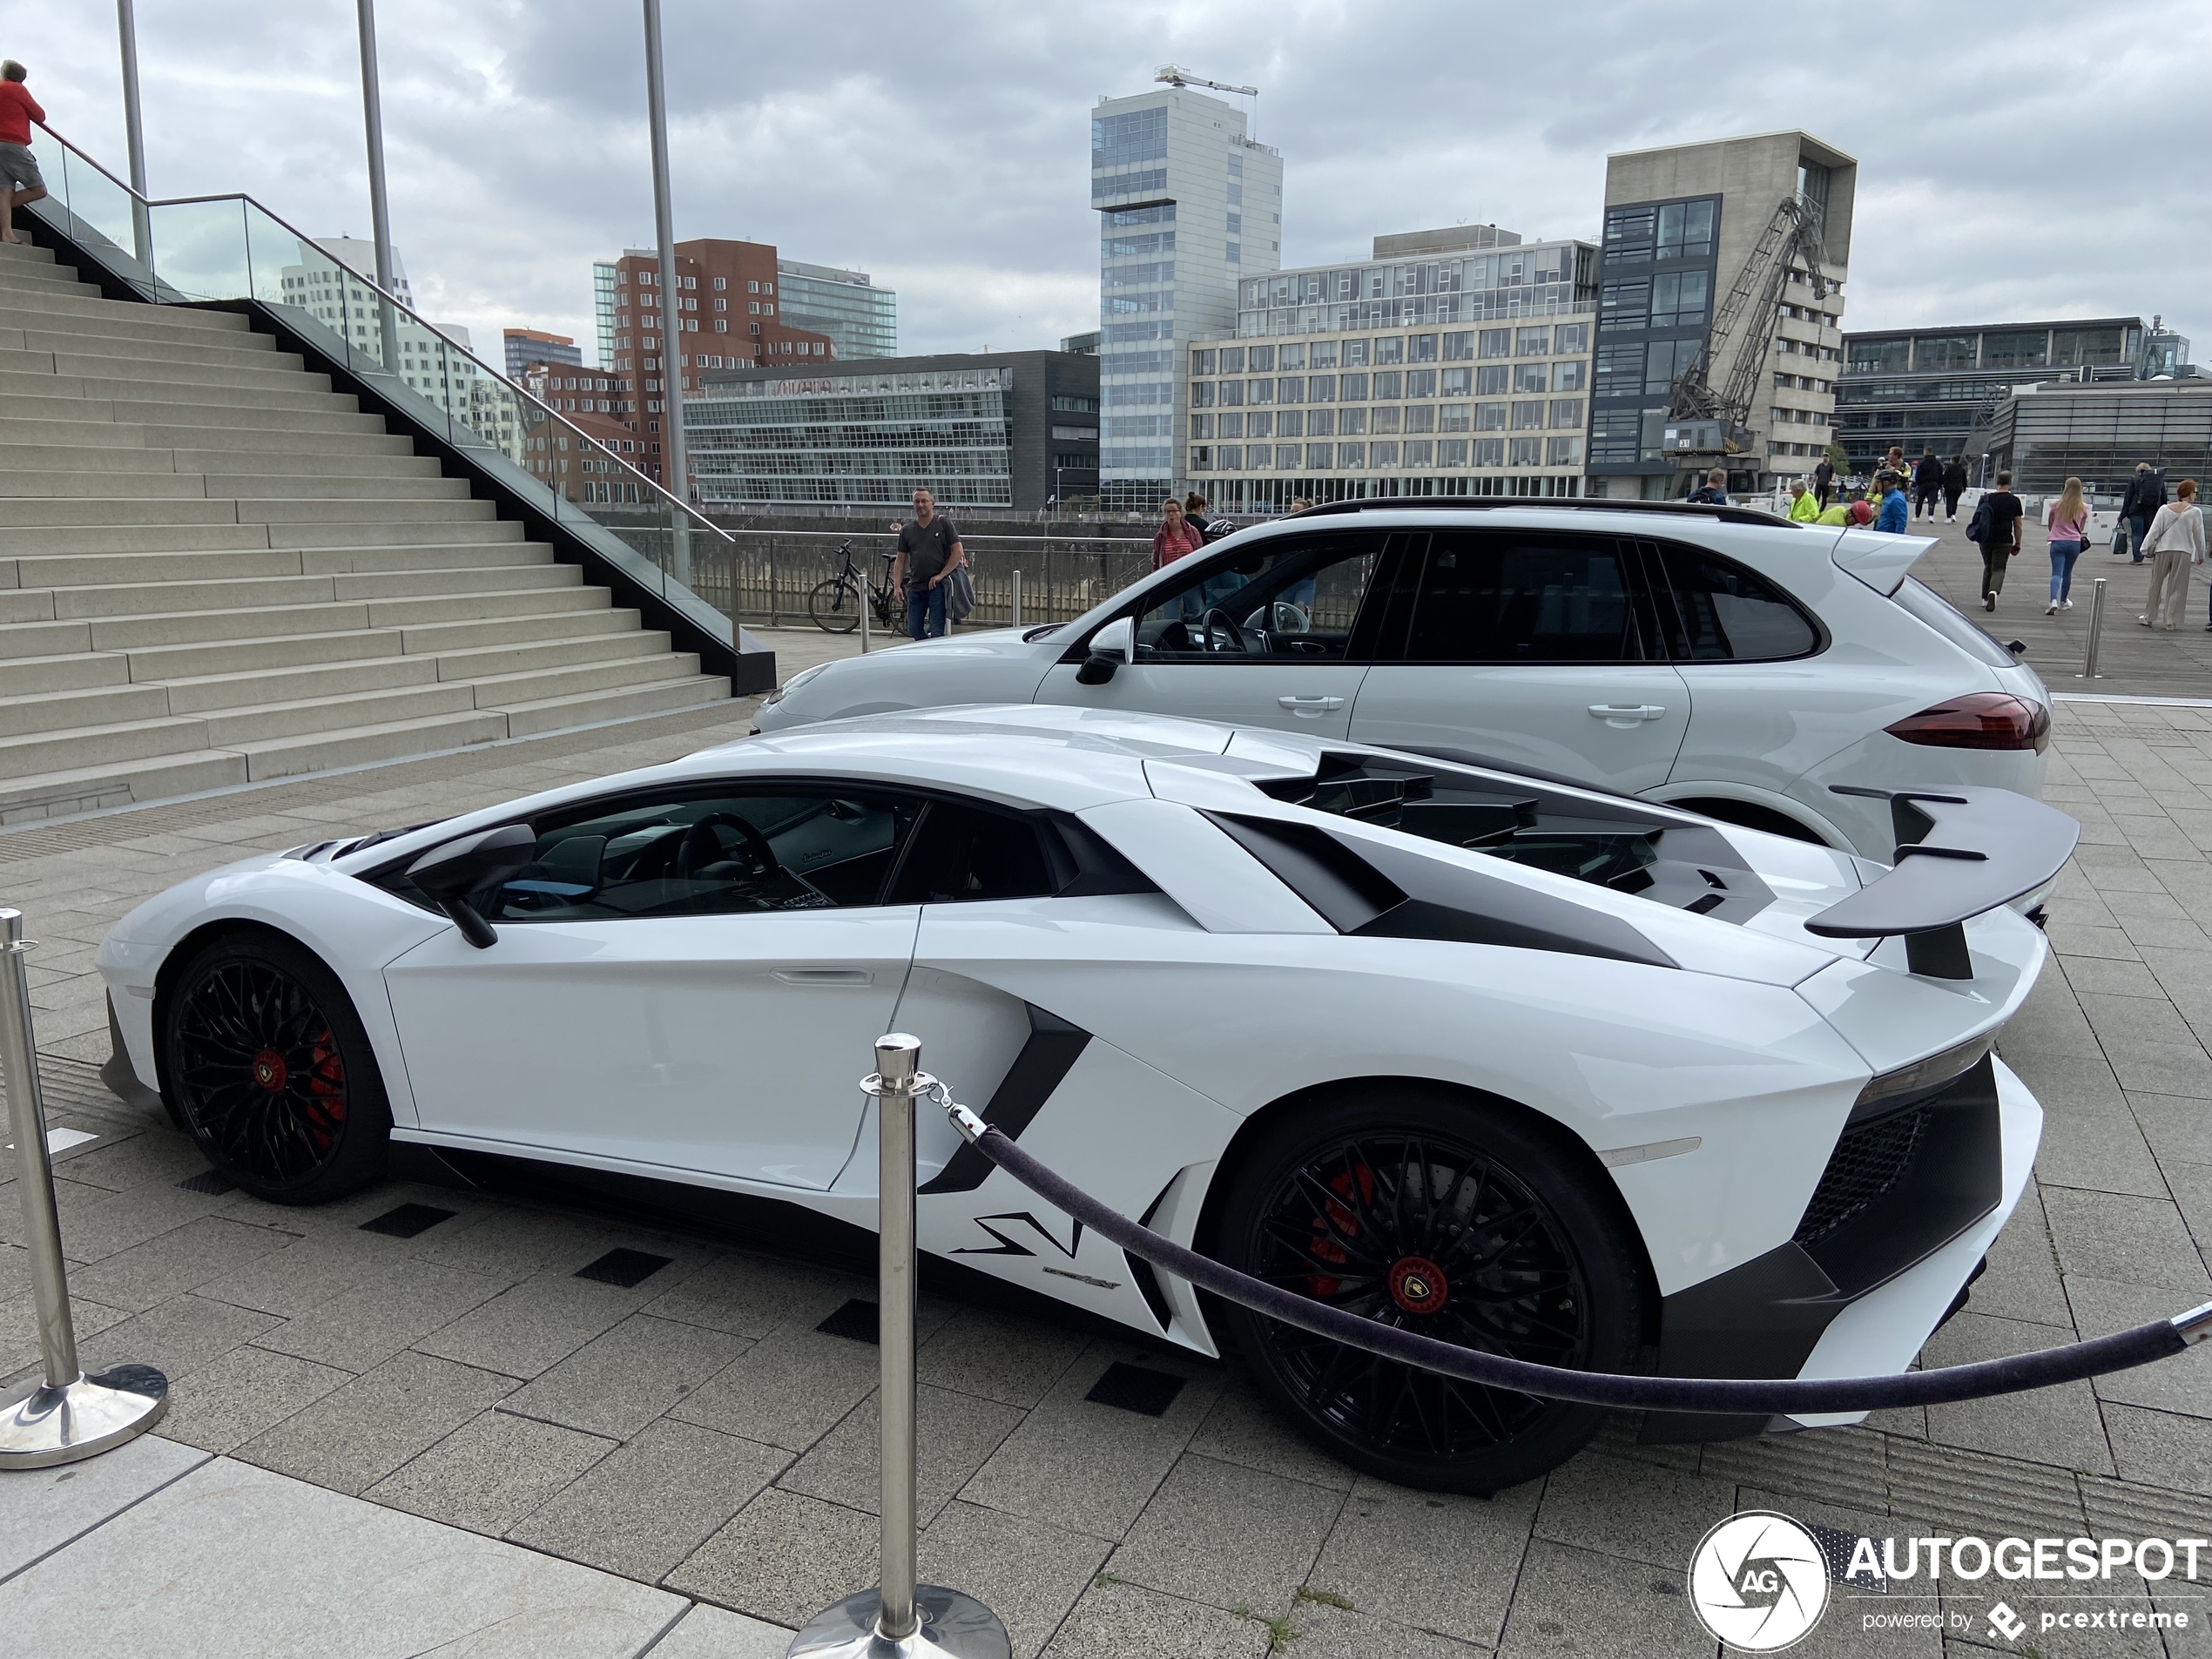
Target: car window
<point x="1722" y="612"/>
<point x="963" y="854"/>
<point x="1526" y="597"/>
<point x="1955" y="625"/>
<point x="1283" y="600"/>
<point x="718" y="853"/>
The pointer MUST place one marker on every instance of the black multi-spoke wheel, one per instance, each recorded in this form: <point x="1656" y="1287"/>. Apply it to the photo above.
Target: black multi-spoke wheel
<point x="270" y="1070"/>
<point x="1430" y="1213"/>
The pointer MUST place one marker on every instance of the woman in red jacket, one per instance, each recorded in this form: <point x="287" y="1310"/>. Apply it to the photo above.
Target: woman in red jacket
<point x="1175" y="537"/>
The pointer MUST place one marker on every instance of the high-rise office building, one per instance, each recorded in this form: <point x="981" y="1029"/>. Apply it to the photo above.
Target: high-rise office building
<point x="1455" y="362"/>
<point x="528" y="345"/>
<point x="1681" y="226"/>
<point x="1928" y="388"/>
<point x="1187" y="206"/>
<point x="603" y="300"/>
<point x="860" y="319"/>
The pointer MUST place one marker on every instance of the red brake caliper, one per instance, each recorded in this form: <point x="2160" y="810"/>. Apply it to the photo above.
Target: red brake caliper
<point x="1341" y="1219"/>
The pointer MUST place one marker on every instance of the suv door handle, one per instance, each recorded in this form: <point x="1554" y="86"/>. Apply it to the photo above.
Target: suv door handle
<point x="1627" y="712"/>
<point x="822" y="975"/>
<point x="1310" y="705"/>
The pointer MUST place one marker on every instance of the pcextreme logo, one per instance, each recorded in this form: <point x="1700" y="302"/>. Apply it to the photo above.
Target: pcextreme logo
<point x="1758" y="1581"/>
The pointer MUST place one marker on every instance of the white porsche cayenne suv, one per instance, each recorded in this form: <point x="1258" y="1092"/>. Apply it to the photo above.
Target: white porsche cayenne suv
<point x="1715" y="659"/>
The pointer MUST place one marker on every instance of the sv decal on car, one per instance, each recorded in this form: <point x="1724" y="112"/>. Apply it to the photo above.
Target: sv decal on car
<point x="1009" y="1247"/>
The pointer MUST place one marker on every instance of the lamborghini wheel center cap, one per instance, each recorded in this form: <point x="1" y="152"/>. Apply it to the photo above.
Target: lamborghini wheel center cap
<point x="1417" y="1284"/>
<point x="269" y="1070"/>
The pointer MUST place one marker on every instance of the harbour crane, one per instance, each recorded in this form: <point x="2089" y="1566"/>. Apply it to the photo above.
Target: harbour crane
<point x="1702" y="423"/>
<point x="1176" y="75"/>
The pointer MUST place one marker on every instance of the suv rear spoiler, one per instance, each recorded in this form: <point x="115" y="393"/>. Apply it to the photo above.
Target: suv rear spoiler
<point x="1960" y="851"/>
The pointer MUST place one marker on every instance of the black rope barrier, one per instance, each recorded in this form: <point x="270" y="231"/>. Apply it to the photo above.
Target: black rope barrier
<point x="2123" y="1350"/>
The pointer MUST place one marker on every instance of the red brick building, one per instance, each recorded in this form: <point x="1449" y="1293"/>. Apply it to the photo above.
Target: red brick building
<point x="730" y="319"/>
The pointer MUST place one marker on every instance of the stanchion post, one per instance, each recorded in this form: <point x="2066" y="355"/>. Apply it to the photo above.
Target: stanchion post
<point x="1017" y="598"/>
<point x="69" y="1416"/>
<point x="901" y="1618"/>
<point x="2096" y="630"/>
<point x="868" y="604"/>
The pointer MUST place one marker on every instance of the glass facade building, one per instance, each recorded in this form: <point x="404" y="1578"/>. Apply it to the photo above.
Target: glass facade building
<point x="1463" y="374"/>
<point x="2044" y="435"/>
<point x="1187" y="206"/>
<point x="1682" y="228"/>
<point x="860" y="319"/>
<point x="1929" y="387"/>
<point x="998" y="429"/>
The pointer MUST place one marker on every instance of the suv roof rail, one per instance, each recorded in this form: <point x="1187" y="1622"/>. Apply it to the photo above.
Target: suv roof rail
<point x="1574" y="503"/>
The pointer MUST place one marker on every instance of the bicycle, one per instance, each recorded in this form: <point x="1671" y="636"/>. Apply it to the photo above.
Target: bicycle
<point x="835" y="602"/>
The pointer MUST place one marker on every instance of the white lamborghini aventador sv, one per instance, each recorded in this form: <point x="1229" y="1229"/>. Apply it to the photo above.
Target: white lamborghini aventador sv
<point x="1538" y="1070"/>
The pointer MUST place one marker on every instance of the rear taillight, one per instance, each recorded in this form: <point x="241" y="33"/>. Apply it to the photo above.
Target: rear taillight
<point x="1979" y="720"/>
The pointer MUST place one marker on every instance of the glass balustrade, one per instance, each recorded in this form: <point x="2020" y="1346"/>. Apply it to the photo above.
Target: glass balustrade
<point x="228" y="248"/>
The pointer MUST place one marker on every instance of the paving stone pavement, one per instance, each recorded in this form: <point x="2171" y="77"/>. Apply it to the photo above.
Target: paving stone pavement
<point x="689" y="1461"/>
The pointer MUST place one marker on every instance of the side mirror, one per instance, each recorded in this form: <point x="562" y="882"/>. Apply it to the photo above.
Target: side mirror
<point x="2019" y="648"/>
<point x="455" y="874"/>
<point x="1110" y="647"/>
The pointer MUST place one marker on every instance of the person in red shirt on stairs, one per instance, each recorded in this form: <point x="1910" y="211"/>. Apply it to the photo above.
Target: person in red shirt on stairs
<point x="21" y="183"/>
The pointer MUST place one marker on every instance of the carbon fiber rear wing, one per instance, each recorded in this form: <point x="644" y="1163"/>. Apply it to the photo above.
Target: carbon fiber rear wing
<point x="1960" y="851"/>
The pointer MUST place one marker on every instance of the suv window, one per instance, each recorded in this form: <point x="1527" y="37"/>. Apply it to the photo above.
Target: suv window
<point x="717" y="852"/>
<point x="1290" y="599"/>
<point x="1527" y="597"/>
<point x="1716" y="610"/>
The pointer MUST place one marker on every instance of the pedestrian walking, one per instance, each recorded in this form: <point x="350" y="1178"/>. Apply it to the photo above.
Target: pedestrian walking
<point x="1176" y="538"/>
<point x="21" y="183"/>
<point x="1803" y="510"/>
<point x="1955" y="485"/>
<point x="1715" y="493"/>
<point x="1895" y="514"/>
<point x="2146" y="495"/>
<point x="1823" y="482"/>
<point x="2066" y="519"/>
<point x="930" y="550"/>
<point x="1996" y="528"/>
<point x="1927" y="483"/>
<point x="2174" y="542"/>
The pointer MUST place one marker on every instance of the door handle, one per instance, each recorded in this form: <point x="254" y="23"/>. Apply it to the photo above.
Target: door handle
<point x="1310" y="705"/>
<point x="1627" y="712"/>
<point x="822" y="975"/>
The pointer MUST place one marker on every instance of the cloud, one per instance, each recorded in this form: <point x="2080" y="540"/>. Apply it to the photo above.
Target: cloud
<point x="2010" y="164"/>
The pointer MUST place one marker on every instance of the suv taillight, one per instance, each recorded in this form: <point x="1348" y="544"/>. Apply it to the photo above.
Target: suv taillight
<point x="1979" y="720"/>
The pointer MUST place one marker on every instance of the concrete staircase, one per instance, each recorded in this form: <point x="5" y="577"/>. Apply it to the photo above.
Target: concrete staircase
<point x="214" y="570"/>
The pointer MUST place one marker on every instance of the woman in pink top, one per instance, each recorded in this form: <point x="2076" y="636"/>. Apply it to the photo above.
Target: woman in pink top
<point x="1175" y="537"/>
<point x="2068" y="520"/>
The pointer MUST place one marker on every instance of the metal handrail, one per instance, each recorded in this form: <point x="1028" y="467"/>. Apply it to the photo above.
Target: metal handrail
<point x="699" y="520"/>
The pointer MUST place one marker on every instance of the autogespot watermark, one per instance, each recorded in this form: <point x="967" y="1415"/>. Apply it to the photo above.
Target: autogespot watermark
<point x="1760" y="1581"/>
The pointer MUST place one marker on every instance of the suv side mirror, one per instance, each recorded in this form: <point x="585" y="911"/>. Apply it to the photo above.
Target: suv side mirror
<point x="1110" y="647"/>
<point x="456" y="873"/>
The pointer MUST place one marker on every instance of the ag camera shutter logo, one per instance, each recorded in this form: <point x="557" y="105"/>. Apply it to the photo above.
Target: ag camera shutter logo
<point x="1758" y="1581"/>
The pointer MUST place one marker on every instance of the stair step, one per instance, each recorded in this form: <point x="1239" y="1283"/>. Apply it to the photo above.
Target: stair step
<point x="203" y="693"/>
<point x="421" y="533"/>
<point x="260" y="592"/>
<point x="553" y="714"/>
<point x="433" y="555"/>
<point x="479" y="607"/>
<point x="213" y="395"/>
<point x="305" y="486"/>
<point x="491" y="662"/>
<point x="58" y="280"/>
<point x="114" y="484"/>
<point x="34" y="712"/>
<point x="522" y="628"/>
<point x="363" y="745"/>
<point x="363" y="434"/>
<point x="246" y="351"/>
<point x="27" y="676"/>
<point x="127" y="539"/>
<point x="237" y="728"/>
<point x="21" y="253"/>
<point x="38" y="573"/>
<point x="96" y="746"/>
<point x="114" y="319"/>
<point x="364" y="511"/>
<point x="91" y="789"/>
<point x="549" y="684"/>
<point x="109" y="512"/>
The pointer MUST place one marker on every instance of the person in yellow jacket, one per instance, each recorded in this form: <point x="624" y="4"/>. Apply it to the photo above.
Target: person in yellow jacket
<point x="1835" y="513"/>
<point x="1804" y="506"/>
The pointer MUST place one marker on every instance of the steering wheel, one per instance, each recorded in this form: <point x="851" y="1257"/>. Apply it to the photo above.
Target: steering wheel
<point x="1209" y="637"/>
<point x="701" y="847"/>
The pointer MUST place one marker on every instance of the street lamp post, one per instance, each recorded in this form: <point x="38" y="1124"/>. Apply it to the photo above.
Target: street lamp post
<point x="675" y="473"/>
<point x="380" y="208"/>
<point x="134" y="132"/>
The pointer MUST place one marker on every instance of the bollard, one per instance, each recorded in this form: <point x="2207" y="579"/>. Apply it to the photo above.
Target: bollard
<point x="900" y="1619"/>
<point x="868" y="604"/>
<point x="2096" y="630"/>
<point x="1017" y="598"/>
<point x="69" y="1415"/>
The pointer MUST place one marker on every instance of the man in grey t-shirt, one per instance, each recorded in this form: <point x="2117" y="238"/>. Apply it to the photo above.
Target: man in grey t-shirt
<point x="929" y="550"/>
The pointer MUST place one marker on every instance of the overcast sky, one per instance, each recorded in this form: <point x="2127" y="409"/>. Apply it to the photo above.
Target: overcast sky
<point x="2017" y="160"/>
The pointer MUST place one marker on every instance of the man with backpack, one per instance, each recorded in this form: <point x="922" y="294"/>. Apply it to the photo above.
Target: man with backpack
<point x="2146" y="495"/>
<point x="1996" y="528"/>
